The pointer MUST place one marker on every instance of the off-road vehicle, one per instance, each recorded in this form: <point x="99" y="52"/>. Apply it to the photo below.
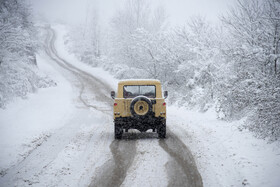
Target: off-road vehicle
<point x="139" y="104"/>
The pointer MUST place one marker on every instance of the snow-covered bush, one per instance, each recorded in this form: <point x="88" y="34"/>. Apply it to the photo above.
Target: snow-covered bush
<point x="18" y="71"/>
<point x="265" y="121"/>
<point x="19" y="78"/>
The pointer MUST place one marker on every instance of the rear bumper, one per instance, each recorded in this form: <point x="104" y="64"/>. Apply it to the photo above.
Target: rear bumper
<point x="140" y="123"/>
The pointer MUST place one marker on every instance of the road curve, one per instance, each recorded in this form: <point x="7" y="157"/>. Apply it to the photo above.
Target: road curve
<point x="181" y="167"/>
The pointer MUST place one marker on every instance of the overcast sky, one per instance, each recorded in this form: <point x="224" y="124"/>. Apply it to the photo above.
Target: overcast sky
<point x="178" y="11"/>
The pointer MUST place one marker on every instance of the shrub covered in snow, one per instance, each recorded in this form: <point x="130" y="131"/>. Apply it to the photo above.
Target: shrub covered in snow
<point x="18" y="71"/>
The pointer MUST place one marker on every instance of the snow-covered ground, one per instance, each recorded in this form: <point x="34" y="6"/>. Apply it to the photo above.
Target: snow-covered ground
<point x="26" y="123"/>
<point x="225" y="156"/>
<point x="47" y="139"/>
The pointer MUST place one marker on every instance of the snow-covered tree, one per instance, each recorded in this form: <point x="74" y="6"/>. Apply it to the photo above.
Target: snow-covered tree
<point x="253" y="50"/>
<point x="87" y="43"/>
<point x="16" y="29"/>
<point x="131" y="27"/>
<point x="18" y="74"/>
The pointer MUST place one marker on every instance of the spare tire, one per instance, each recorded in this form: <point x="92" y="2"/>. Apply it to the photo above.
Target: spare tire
<point x="140" y="106"/>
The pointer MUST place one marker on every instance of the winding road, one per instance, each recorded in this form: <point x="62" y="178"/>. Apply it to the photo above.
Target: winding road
<point x="94" y="158"/>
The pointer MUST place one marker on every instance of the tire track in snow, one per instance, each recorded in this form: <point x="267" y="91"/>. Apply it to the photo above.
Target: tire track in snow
<point x="181" y="157"/>
<point x="83" y="76"/>
<point x="114" y="171"/>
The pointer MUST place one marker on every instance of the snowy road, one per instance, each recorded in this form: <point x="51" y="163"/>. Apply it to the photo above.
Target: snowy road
<point x="83" y="152"/>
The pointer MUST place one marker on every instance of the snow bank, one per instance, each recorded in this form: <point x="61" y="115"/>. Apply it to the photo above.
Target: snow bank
<point x="25" y="124"/>
<point x="225" y="155"/>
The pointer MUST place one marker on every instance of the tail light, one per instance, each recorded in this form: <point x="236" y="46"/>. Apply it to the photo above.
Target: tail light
<point x="164" y="104"/>
<point x="115" y="104"/>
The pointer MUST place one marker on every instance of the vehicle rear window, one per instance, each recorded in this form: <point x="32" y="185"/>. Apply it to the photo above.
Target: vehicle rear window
<point x="130" y="91"/>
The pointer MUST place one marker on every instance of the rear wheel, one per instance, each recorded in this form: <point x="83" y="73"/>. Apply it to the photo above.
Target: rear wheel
<point x="162" y="129"/>
<point x="118" y="131"/>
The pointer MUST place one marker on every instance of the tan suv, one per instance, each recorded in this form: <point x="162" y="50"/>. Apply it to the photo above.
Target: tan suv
<point x="139" y="104"/>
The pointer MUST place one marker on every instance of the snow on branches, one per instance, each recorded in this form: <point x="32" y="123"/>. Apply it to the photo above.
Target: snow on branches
<point x="18" y="74"/>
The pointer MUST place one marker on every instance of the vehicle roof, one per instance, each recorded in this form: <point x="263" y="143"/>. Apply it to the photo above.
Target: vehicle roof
<point x="139" y="82"/>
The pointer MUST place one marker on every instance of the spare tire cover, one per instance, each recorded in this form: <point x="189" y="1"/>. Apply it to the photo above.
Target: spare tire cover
<point x="140" y="106"/>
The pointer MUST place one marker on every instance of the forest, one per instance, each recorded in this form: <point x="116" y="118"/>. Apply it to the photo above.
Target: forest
<point x="232" y="66"/>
